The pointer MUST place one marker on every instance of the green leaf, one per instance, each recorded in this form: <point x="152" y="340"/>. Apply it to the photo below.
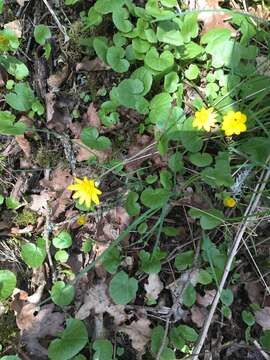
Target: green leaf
<point x="265" y="339"/>
<point x="62" y="294"/>
<point x="34" y="254"/>
<point x="14" y="66"/>
<point x="145" y="76"/>
<point x="42" y="33"/>
<point x="103" y="350"/>
<point x="61" y="256"/>
<point x="168" y="33"/>
<point x="112" y="259"/>
<point x="22" y="98"/>
<point x="183" y="260"/>
<point x="216" y="36"/>
<point x="171" y="81"/>
<point x="226" y="297"/>
<point x="204" y="277"/>
<point x="167" y="354"/>
<point x="122" y="288"/>
<point x="189" y="296"/>
<point x="129" y="94"/>
<point x="132" y="206"/>
<point x="192" y="72"/>
<point x="200" y="159"/>
<point x="10" y="357"/>
<point x="63" y="240"/>
<point x="2" y="199"/>
<point x="151" y="263"/>
<point x="90" y="137"/>
<point x="120" y="20"/>
<point x="220" y="175"/>
<point x="160" y="108"/>
<point x="7" y="283"/>
<point x="72" y="340"/>
<point x="159" y="62"/>
<point x="1" y="10"/>
<point x="176" y="163"/>
<point x="166" y="179"/>
<point x="187" y="333"/>
<point x="176" y="338"/>
<point x="154" y="198"/>
<point x="209" y="219"/>
<point x="100" y="45"/>
<point x="189" y="137"/>
<point x="157" y="337"/>
<point x="12" y="203"/>
<point x="168" y="3"/>
<point x="256" y="148"/>
<point x="248" y="317"/>
<point x="190" y="51"/>
<point x="140" y="45"/>
<point x="190" y="27"/>
<point x="115" y="59"/>
<point x="226" y="311"/>
<point x="107" y="6"/>
<point x="8" y="126"/>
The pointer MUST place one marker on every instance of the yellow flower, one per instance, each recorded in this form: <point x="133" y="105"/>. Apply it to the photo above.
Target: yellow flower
<point x="205" y="119"/>
<point x="85" y="191"/>
<point x="234" y="123"/>
<point x="81" y="220"/>
<point x="229" y="202"/>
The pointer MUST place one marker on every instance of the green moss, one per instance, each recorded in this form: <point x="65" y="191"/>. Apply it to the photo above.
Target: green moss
<point x="25" y="218"/>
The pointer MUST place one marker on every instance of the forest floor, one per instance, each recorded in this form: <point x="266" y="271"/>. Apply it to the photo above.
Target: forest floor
<point x="164" y="107"/>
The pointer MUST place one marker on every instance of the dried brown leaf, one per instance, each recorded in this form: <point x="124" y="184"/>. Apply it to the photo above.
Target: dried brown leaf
<point x="15" y="26"/>
<point x="210" y="19"/>
<point x="206" y="299"/>
<point x="24" y="145"/>
<point x="92" y="117"/>
<point x="84" y="154"/>
<point x="198" y="315"/>
<point x="57" y="113"/>
<point x="154" y="287"/>
<point x="39" y="203"/>
<point x="139" y="332"/>
<point x="263" y="317"/>
<point x="96" y="300"/>
<point x="56" y="80"/>
<point x="60" y="179"/>
<point x="92" y="65"/>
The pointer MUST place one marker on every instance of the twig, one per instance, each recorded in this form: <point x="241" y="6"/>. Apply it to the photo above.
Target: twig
<point x="46" y="235"/>
<point x="238" y="238"/>
<point x="61" y="28"/>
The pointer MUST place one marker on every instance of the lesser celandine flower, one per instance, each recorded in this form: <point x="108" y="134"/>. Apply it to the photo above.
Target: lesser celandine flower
<point x="205" y="119"/>
<point x="81" y="220"/>
<point x="229" y="202"/>
<point x="85" y="191"/>
<point x="234" y="123"/>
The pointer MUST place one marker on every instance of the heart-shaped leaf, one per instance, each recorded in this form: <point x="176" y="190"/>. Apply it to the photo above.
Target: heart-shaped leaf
<point x="200" y="159"/>
<point x="8" y="126"/>
<point x="7" y="283"/>
<point x="209" y="219"/>
<point x="22" y="98"/>
<point x="42" y="33"/>
<point x="115" y="59"/>
<point x="132" y="206"/>
<point x="154" y="198"/>
<point x="34" y="254"/>
<point x="159" y="62"/>
<point x="122" y="288"/>
<point x="63" y="240"/>
<point x="120" y="19"/>
<point x="72" y="340"/>
<point x="145" y="76"/>
<point x="62" y="294"/>
<point x="14" y="66"/>
<point x="90" y="137"/>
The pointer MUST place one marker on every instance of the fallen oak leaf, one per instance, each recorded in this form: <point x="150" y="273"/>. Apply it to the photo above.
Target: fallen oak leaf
<point x="153" y="288"/>
<point x="210" y="19"/>
<point x="96" y="300"/>
<point x="139" y="332"/>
